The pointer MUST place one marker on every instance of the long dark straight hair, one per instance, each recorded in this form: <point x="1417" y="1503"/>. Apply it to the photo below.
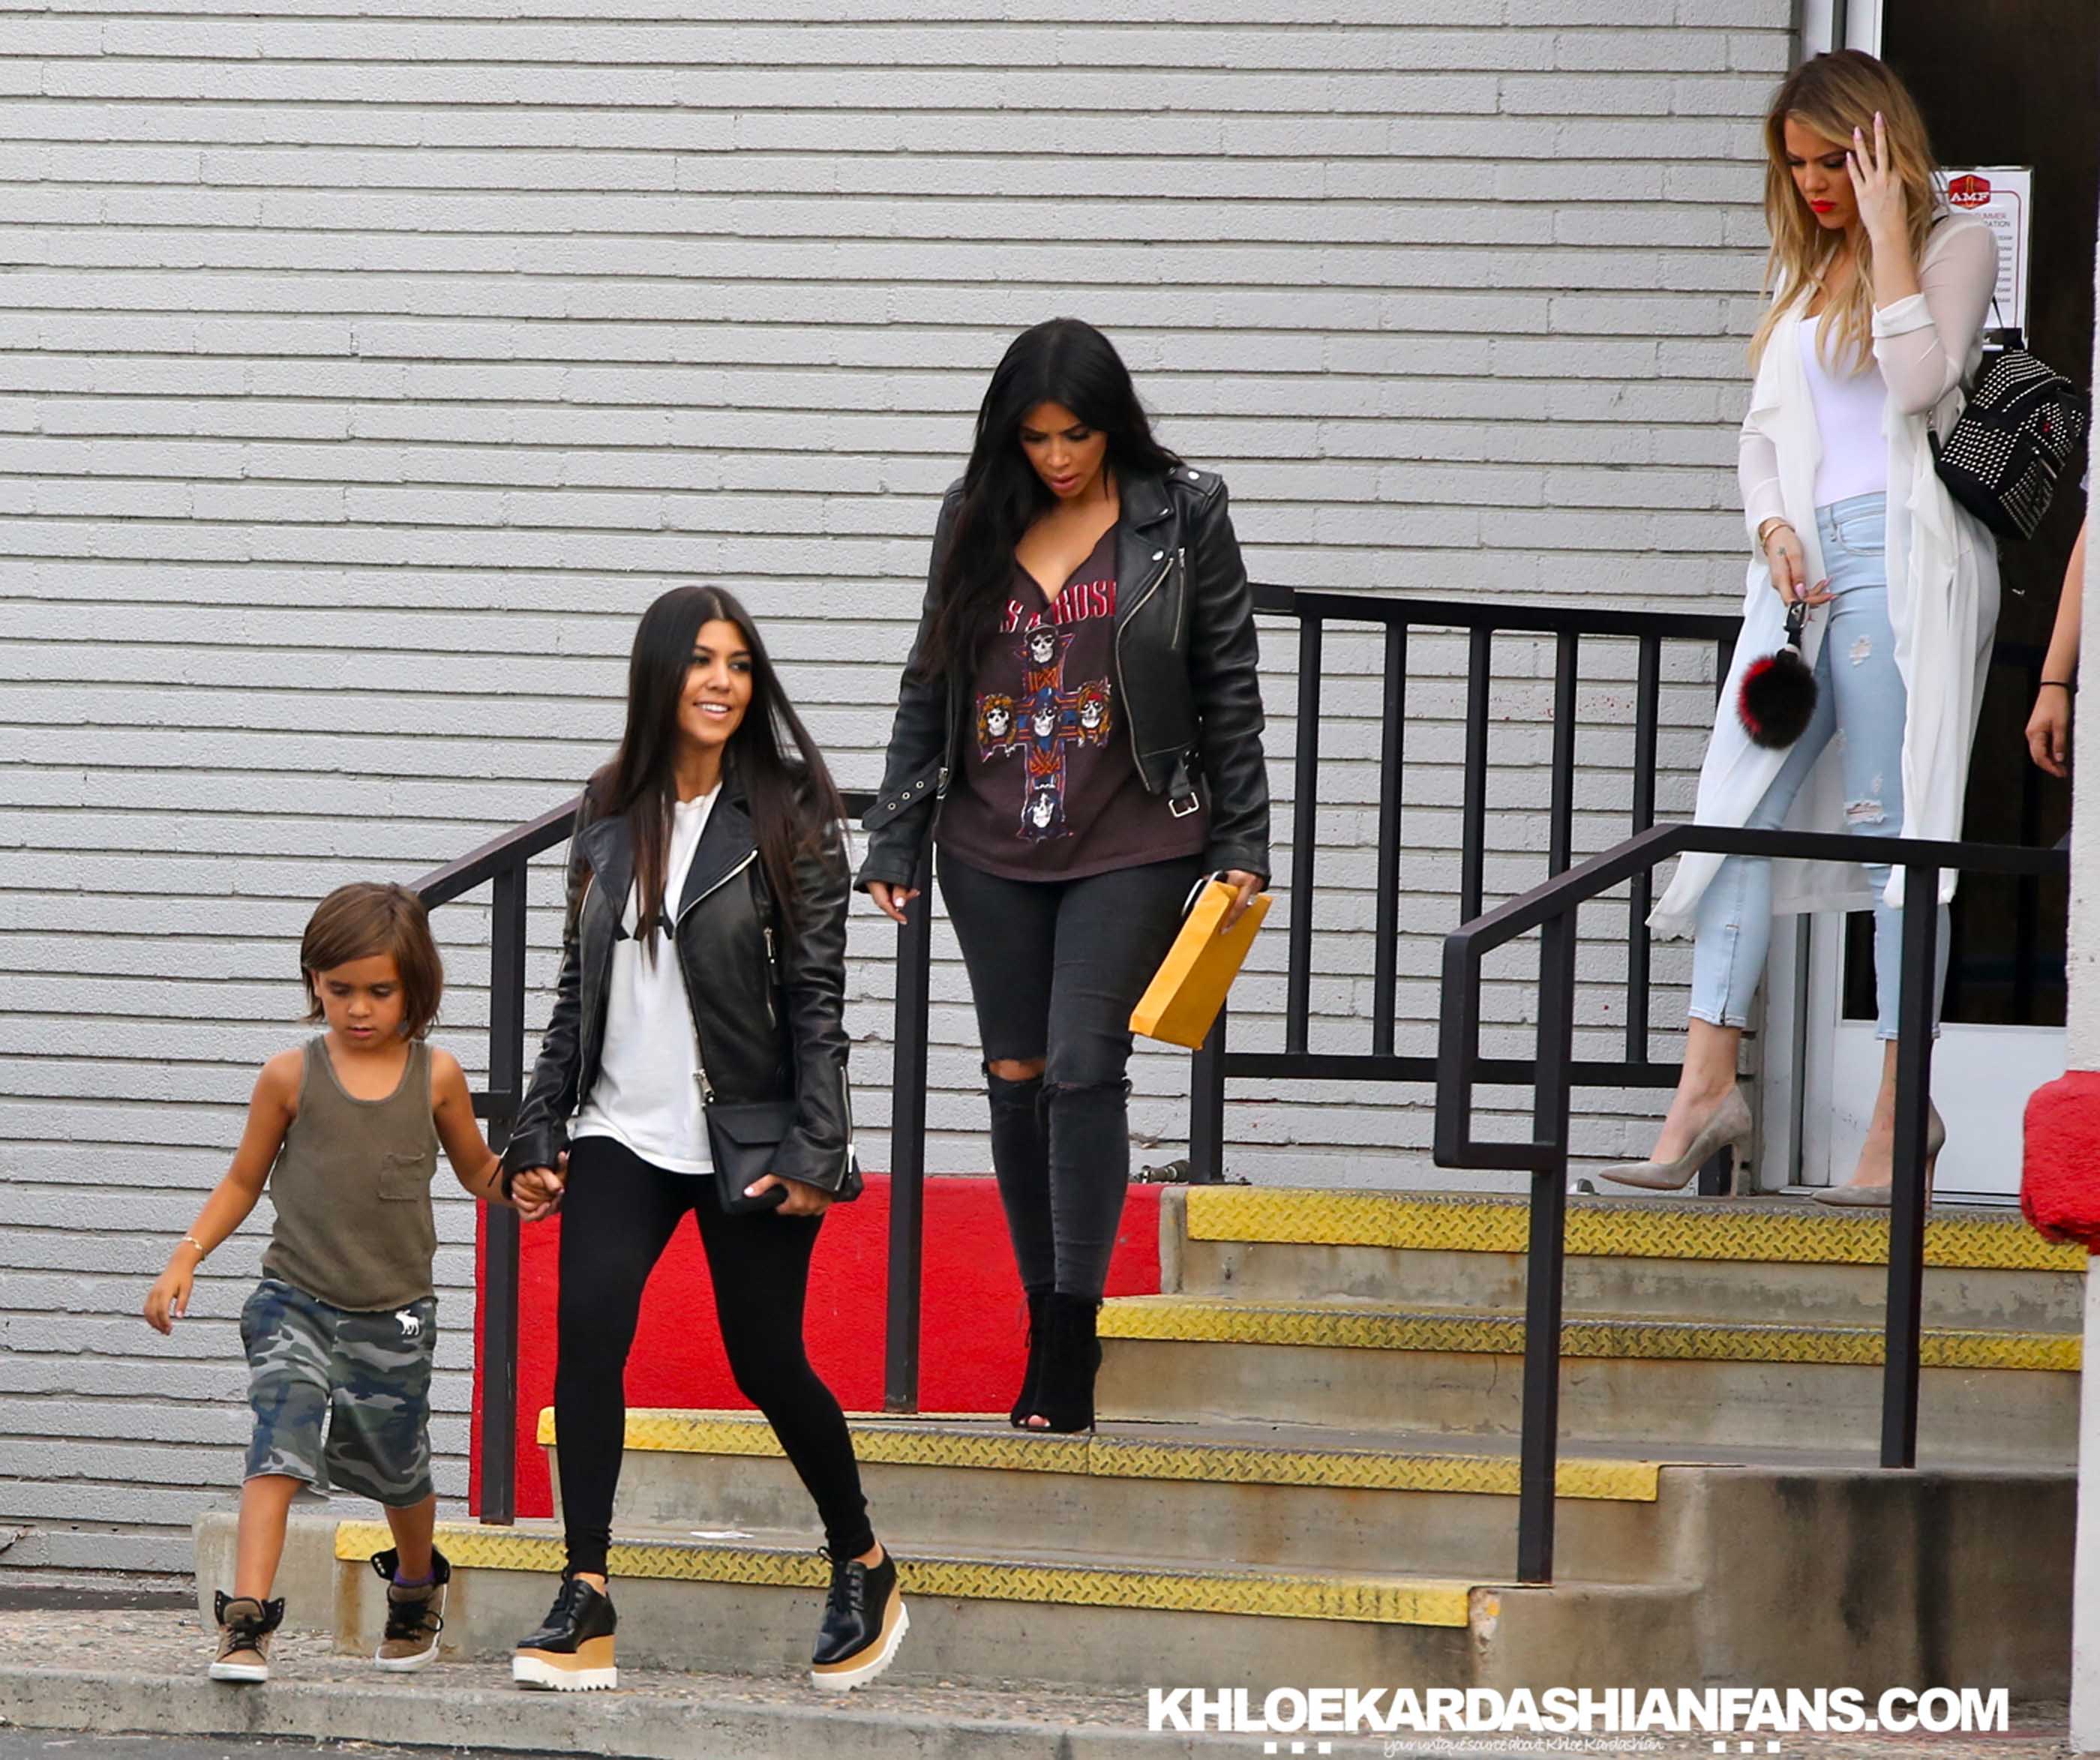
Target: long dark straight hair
<point x="791" y="800"/>
<point x="1064" y="361"/>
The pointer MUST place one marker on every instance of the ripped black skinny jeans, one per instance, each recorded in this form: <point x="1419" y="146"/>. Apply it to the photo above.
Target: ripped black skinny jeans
<point x="1055" y="967"/>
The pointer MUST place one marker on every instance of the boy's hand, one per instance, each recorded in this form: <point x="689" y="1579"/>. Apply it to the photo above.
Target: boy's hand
<point x="169" y="1300"/>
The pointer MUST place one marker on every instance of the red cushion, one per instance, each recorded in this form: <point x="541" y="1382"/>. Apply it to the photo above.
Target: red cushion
<point x="2060" y="1177"/>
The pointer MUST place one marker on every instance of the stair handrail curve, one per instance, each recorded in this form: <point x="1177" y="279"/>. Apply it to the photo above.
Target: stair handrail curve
<point x="1552" y="908"/>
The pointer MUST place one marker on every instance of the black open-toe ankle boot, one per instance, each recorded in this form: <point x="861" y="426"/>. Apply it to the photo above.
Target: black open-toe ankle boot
<point x="1031" y="1378"/>
<point x="1065" y="1398"/>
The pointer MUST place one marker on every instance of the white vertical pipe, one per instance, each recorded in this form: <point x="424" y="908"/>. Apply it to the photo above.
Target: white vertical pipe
<point x="2082" y="1048"/>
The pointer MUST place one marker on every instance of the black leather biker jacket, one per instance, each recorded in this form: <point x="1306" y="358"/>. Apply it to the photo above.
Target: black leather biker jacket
<point x="767" y="1005"/>
<point x="1187" y="689"/>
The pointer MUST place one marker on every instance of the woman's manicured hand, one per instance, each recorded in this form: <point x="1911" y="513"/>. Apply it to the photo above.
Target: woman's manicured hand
<point x="2048" y="730"/>
<point x="1245" y="886"/>
<point x="890" y="900"/>
<point x="803" y="1199"/>
<point x="1788" y="564"/>
<point x="1875" y="184"/>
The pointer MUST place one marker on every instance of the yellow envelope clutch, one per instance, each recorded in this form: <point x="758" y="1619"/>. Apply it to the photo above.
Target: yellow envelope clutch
<point x="1189" y="987"/>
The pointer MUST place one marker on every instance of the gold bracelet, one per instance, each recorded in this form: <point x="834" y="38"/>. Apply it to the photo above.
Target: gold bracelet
<point x="1770" y="526"/>
<point x="203" y="1252"/>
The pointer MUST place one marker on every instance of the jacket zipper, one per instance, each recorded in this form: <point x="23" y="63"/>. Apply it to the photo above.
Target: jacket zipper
<point x="1130" y="721"/>
<point x="1181" y="608"/>
<point x="772" y="1019"/>
<point x="699" y="1054"/>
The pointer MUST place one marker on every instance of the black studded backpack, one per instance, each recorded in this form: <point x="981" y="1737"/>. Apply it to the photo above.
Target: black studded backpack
<point x="2023" y="427"/>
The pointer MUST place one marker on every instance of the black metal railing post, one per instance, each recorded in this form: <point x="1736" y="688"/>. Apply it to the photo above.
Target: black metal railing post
<point x="1473" y="808"/>
<point x="1393" y="760"/>
<point x="499" y="1271"/>
<point x="1206" y="1106"/>
<point x="1647" y="716"/>
<point x="1903" y="1323"/>
<point x="907" y="1148"/>
<point x="1546" y="1260"/>
<point x="1304" y="839"/>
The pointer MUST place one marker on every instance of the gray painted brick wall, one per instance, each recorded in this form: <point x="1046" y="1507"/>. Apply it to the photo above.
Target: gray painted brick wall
<point x="365" y="367"/>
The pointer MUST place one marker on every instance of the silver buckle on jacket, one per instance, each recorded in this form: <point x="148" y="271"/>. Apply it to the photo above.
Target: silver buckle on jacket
<point x="1182" y="805"/>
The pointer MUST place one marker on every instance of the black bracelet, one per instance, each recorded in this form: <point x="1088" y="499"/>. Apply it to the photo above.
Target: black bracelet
<point x="2061" y="684"/>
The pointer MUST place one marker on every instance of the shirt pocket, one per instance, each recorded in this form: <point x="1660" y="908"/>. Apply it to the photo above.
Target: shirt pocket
<point x="406" y="1176"/>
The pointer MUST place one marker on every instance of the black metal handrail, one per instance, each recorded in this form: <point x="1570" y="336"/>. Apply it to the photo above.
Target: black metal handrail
<point x="1480" y="621"/>
<point x="1551" y="908"/>
<point x="501" y="864"/>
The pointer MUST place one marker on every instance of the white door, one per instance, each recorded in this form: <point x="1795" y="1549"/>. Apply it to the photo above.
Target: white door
<point x="1982" y="1076"/>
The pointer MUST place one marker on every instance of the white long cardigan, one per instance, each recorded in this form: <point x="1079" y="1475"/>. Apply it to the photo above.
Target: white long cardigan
<point x="1942" y="568"/>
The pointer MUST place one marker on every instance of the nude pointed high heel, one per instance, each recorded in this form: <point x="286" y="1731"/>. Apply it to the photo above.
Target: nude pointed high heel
<point x="1877" y="1197"/>
<point x="1728" y="1129"/>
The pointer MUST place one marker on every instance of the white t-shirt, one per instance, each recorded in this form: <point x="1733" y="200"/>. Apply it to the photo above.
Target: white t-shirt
<point x="1848" y="421"/>
<point x="647" y="1093"/>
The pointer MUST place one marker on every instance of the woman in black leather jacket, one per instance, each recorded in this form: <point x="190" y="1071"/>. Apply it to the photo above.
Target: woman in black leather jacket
<point x="702" y="969"/>
<point x="1079" y="730"/>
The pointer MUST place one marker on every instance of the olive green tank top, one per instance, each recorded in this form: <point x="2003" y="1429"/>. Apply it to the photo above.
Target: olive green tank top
<point x="352" y="1189"/>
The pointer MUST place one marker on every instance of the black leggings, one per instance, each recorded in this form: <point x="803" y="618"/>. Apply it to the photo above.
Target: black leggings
<point x="616" y="1219"/>
<point x="1055" y="967"/>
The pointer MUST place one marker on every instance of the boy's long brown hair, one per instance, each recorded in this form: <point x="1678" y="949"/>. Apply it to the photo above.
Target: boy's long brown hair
<point x="369" y="917"/>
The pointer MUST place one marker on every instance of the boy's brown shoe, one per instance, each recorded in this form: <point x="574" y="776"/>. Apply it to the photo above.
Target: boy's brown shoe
<point x="415" y="1614"/>
<point x="245" y="1627"/>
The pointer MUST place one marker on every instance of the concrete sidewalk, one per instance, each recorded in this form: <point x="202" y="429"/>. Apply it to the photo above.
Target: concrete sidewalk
<point x="144" y="1670"/>
<point x="108" y="1671"/>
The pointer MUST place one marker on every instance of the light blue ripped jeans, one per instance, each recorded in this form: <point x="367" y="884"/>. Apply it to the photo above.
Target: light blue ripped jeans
<point x="1860" y="701"/>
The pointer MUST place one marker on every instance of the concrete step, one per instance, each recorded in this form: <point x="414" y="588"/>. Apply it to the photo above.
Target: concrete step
<point x="1276" y="1496"/>
<point x="1989" y="1396"/>
<point x="751" y="1602"/>
<point x="1754" y="1261"/>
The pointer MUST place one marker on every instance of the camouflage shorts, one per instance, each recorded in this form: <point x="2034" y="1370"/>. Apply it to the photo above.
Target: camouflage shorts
<point x="366" y="1376"/>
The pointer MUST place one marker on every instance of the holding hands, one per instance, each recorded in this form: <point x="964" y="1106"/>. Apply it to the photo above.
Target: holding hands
<point x="536" y="1192"/>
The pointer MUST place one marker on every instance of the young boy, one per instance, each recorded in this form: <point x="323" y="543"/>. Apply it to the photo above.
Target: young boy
<point x="341" y="1332"/>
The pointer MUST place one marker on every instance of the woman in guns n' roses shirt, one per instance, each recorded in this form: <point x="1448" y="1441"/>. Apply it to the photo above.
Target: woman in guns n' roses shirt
<point x="1080" y="719"/>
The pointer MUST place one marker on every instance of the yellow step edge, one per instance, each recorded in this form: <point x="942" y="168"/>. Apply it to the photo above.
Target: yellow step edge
<point x="1625" y="1229"/>
<point x="1381" y="1601"/>
<point x="1198" y="1321"/>
<point x="736" y="1433"/>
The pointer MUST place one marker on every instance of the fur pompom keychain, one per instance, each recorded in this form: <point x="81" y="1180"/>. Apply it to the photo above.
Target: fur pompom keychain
<point x="1778" y="692"/>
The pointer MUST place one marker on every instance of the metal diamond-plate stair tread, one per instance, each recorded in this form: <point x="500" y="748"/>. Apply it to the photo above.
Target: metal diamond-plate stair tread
<point x="1031" y="1573"/>
<point x="1346" y="1323"/>
<point x="1776" y="1230"/>
<point x="1214" y="1452"/>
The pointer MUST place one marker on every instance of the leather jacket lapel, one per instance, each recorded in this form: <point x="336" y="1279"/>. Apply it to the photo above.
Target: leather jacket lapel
<point x="726" y="843"/>
<point x="1143" y="533"/>
<point x="609" y="849"/>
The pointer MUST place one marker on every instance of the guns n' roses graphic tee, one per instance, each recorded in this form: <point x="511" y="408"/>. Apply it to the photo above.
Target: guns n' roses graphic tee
<point x="1048" y="786"/>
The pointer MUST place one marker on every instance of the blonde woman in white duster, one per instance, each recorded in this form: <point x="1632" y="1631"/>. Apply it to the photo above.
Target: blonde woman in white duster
<point x="1876" y="321"/>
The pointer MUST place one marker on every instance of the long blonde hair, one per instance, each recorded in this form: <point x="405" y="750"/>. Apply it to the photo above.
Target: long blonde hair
<point x="1834" y="94"/>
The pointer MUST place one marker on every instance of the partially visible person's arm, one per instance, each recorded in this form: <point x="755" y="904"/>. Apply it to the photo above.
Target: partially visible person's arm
<point x="2048" y="728"/>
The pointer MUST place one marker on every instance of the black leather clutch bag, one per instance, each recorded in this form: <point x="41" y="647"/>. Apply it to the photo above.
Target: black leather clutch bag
<point x="743" y="1138"/>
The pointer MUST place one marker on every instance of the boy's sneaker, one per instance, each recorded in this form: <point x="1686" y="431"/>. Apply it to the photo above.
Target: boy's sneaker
<point x="864" y="1622"/>
<point x="245" y="1627"/>
<point x="415" y="1614"/>
<point x="572" y="1652"/>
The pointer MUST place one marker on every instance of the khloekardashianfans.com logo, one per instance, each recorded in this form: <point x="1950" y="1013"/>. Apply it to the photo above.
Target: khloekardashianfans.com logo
<point x="1569" y="1719"/>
